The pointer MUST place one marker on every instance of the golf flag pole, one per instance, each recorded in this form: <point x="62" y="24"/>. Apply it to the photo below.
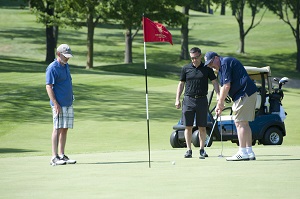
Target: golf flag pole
<point x="147" y="108"/>
<point x="153" y="32"/>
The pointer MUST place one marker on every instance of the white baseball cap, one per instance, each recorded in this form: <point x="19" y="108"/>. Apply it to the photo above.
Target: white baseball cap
<point x="65" y="50"/>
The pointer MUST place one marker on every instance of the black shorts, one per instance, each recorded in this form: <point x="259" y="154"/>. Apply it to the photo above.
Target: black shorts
<point x="192" y="107"/>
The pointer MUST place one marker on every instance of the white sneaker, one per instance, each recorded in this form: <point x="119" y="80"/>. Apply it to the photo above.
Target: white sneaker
<point x="67" y="160"/>
<point x="251" y="156"/>
<point x="57" y="161"/>
<point x="238" y="157"/>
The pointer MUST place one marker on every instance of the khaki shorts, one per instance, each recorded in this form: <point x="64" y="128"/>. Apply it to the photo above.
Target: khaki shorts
<point x="244" y="108"/>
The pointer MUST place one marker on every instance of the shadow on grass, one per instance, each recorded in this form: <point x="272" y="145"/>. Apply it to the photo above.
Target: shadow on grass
<point x="277" y="158"/>
<point x="121" y="103"/>
<point x="13" y="150"/>
<point x="281" y="64"/>
<point x="125" y="162"/>
<point x="285" y="159"/>
<point x="119" y="162"/>
<point x="159" y="64"/>
<point x="23" y="103"/>
<point x="18" y="64"/>
<point x="31" y="103"/>
<point x="153" y="70"/>
<point x="36" y="35"/>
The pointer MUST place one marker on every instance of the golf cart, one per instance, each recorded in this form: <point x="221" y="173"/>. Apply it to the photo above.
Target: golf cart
<point x="268" y="128"/>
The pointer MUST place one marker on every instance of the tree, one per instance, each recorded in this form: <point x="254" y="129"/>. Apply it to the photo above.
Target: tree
<point x="186" y="6"/>
<point x="223" y="7"/>
<point x="238" y="6"/>
<point x="223" y="4"/>
<point x="73" y="13"/>
<point x="129" y="14"/>
<point x="86" y="13"/>
<point x="46" y="13"/>
<point x="184" y="53"/>
<point x="282" y="8"/>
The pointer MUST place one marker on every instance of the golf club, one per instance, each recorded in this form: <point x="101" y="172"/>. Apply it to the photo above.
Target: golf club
<point x="281" y="82"/>
<point x="57" y="134"/>
<point x="221" y="132"/>
<point x="212" y="130"/>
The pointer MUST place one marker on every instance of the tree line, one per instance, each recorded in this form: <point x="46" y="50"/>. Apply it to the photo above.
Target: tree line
<point x="55" y="14"/>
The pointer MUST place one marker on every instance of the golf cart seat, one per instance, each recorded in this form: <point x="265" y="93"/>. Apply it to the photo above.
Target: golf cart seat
<point x="258" y="101"/>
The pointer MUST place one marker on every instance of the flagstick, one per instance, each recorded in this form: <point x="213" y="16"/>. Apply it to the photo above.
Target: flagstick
<point x="147" y="102"/>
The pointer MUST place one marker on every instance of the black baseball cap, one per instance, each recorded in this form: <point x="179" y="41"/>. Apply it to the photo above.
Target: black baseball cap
<point x="209" y="56"/>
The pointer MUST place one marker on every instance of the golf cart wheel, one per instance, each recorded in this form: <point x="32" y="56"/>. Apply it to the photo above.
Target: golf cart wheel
<point x="195" y="138"/>
<point x="273" y="136"/>
<point x="175" y="143"/>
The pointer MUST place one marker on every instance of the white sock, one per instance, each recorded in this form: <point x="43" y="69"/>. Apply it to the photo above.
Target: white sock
<point x="243" y="150"/>
<point x="249" y="149"/>
<point x="62" y="155"/>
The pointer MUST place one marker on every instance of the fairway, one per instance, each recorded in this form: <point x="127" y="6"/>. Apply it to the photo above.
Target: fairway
<point x="275" y="174"/>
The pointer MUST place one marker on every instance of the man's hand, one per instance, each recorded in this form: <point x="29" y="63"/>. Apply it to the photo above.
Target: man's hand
<point x="57" y="107"/>
<point x="178" y="104"/>
<point x="219" y="108"/>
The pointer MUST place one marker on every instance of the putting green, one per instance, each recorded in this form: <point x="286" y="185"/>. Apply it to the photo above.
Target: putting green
<point x="275" y="174"/>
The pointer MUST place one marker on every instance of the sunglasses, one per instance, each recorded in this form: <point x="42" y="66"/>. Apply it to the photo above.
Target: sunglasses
<point x="192" y="58"/>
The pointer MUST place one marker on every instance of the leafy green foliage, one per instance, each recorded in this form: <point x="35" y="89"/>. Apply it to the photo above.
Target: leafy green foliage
<point x="282" y="9"/>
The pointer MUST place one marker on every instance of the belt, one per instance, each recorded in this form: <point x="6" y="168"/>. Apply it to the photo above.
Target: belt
<point x="197" y="96"/>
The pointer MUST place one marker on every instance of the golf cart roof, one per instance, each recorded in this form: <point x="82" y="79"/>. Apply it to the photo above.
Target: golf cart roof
<point x="255" y="74"/>
<point x="256" y="70"/>
<point x="251" y="70"/>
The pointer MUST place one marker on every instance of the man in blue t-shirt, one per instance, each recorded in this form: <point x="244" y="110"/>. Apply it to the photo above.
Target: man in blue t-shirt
<point x="236" y="83"/>
<point x="60" y="91"/>
<point x="194" y="80"/>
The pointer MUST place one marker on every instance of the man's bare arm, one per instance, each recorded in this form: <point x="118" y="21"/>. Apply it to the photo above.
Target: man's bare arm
<point x="180" y="88"/>
<point x="52" y="97"/>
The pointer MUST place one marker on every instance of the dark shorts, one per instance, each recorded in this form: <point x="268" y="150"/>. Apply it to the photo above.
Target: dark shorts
<point x="192" y="107"/>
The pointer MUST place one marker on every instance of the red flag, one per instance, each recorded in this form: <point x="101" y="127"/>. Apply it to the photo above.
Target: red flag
<point x="155" y="32"/>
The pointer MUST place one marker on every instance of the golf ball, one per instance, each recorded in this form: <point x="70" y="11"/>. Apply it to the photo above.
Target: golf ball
<point x="173" y="163"/>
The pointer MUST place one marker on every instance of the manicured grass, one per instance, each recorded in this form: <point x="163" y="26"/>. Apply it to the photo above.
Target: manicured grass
<point x="109" y="138"/>
<point x="127" y="175"/>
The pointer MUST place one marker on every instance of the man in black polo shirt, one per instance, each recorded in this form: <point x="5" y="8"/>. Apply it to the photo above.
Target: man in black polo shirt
<point x="194" y="77"/>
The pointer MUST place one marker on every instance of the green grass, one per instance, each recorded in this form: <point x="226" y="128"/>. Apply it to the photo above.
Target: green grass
<point x="126" y="175"/>
<point x="109" y="138"/>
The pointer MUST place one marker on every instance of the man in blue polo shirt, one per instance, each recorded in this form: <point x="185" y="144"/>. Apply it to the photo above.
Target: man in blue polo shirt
<point x="194" y="79"/>
<point x="60" y="91"/>
<point x="236" y="83"/>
